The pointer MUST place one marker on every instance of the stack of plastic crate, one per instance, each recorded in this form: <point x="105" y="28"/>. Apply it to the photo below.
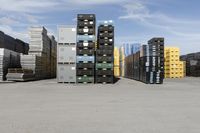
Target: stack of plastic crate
<point x="174" y="68"/>
<point x="104" y="53"/>
<point x="86" y="27"/>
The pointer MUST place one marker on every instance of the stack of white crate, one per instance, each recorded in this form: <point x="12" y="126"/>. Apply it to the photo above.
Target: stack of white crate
<point x="40" y="53"/>
<point x="66" y="58"/>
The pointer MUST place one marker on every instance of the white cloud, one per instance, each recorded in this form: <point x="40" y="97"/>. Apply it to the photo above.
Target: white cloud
<point x="8" y="21"/>
<point x="23" y="34"/>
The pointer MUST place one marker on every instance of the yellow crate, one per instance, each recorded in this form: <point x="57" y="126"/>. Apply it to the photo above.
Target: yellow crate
<point x="116" y="72"/>
<point x="116" y="56"/>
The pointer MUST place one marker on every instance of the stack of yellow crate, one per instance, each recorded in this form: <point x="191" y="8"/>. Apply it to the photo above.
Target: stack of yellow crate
<point x="116" y="62"/>
<point x="174" y="68"/>
<point x="122" y="61"/>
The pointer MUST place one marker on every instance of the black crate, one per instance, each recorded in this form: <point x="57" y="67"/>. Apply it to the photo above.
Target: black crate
<point x="89" y="24"/>
<point x="104" y="79"/>
<point x="104" y="52"/>
<point x="89" y="52"/>
<point x="90" y="45"/>
<point x="106" y="41"/>
<point x="106" y="28"/>
<point x="104" y="72"/>
<point x="89" y="32"/>
<point x="85" y="65"/>
<point x="103" y="35"/>
<point x="82" y="72"/>
<point x="107" y="59"/>
<point x="83" y="17"/>
<point x="108" y="47"/>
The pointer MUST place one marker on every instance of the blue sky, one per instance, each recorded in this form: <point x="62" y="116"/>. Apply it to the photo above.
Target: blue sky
<point x="135" y="20"/>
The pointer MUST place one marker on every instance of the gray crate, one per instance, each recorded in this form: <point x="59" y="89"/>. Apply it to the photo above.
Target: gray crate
<point x="66" y="73"/>
<point x="66" y="34"/>
<point x="66" y="54"/>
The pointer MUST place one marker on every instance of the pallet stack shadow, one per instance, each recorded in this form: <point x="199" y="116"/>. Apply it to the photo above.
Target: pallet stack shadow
<point x="86" y="27"/>
<point x="66" y="60"/>
<point x="41" y="58"/>
<point x="10" y="49"/>
<point x="192" y="64"/>
<point x="104" y="53"/>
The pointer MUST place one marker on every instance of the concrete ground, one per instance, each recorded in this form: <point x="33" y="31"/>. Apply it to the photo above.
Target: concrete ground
<point x="126" y="107"/>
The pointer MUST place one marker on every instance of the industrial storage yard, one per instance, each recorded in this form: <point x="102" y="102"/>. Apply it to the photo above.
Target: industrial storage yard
<point x="125" y="107"/>
<point x="84" y="83"/>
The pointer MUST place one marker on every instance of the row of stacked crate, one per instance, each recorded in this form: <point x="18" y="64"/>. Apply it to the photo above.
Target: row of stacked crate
<point x="147" y="63"/>
<point x="104" y="53"/>
<point x="86" y="31"/>
<point x="66" y="59"/>
<point x="192" y="64"/>
<point x="10" y="49"/>
<point x="174" y="68"/>
<point x="116" y="62"/>
<point x="41" y="57"/>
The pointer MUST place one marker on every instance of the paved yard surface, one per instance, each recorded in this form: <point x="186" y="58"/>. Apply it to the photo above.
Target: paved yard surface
<point x="125" y="107"/>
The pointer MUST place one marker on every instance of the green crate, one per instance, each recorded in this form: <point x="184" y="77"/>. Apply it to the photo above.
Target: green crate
<point x="104" y="65"/>
<point x="84" y="79"/>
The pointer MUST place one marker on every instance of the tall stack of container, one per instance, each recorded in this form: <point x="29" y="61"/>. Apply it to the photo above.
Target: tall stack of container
<point x="144" y="64"/>
<point x="156" y="52"/>
<point x="174" y="68"/>
<point x="86" y="27"/>
<point x="66" y="57"/>
<point x="104" y="52"/>
<point x="40" y="53"/>
<point x="116" y="62"/>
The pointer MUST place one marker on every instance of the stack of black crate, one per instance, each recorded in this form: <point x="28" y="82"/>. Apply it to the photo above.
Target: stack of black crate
<point x="105" y="53"/>
<point x="156" y="52"/>
<point x="86" y="27"/>
<point x="144" y="64"/>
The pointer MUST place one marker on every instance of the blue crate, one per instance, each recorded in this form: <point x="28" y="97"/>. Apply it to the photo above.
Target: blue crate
<point x="85" y="59"/>
<point x="109" y="22"/>
<point x="85" y="38"/>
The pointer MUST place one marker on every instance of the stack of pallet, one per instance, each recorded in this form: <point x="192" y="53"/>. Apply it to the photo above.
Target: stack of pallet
<point x="147" y="64"/>
<point x="19" y="74"/>
<point x="174" y="68"/>
<point x="86" y="27"/>
<point x="144" y="64"/>
<point x="104" y="53"/>
<point x="192" y="64"/>
<point x="66" y="59"/>
<point x="10" y="50"/>
<point x="40" y="53"/>
<point x="156" y="53"/>
<point x="116" y="62"/>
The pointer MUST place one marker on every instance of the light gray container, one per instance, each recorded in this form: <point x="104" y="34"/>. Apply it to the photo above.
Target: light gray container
<point x="66" y="54"/>
<point x="66" y="34"/>
<point x="66" y="73"/>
